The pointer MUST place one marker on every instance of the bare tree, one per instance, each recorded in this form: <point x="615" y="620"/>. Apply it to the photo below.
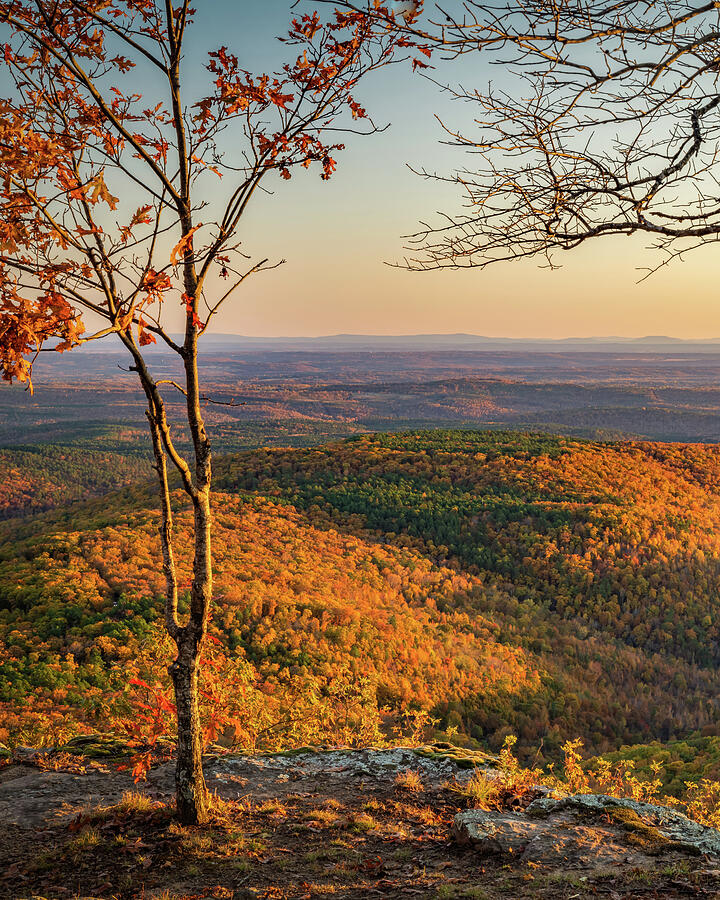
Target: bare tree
<point x="96" y="109"/>
<point x="603" y="119"/>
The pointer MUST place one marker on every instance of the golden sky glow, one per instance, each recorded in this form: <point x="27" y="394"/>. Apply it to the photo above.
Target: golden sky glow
<point x="337" y="236"/>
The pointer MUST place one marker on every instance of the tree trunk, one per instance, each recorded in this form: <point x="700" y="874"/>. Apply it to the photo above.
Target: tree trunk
<point x="190" y="789"/>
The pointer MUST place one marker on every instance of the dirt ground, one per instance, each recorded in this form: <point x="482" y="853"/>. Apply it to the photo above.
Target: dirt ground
<point x="339" y="825"/>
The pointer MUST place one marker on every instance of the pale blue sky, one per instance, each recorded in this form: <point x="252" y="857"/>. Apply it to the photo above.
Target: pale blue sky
<point x="337" y="236"/>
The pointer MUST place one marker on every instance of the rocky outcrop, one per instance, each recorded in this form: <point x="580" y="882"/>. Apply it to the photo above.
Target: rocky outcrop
<point x="370" y="822"/>
<point x="675" y="828"/>
<point x="587" y="831"/>
<point x="29" y="795"/>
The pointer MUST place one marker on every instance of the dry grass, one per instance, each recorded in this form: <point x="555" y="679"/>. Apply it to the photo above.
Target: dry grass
<point x="362" y="823"/>
<point x="134" y="802"/>
<point x="323" y="816"/>
<point x="409" y="780"/>
<point x="480" y="791"/>
<point x="87" y="839"/>
<point x="345" y="838"/>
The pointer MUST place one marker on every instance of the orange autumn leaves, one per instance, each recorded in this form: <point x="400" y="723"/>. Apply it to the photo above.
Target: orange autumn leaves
<point x="579" y="600"/>
<point x="78" y="144"/>
<point x="318" y="631"/>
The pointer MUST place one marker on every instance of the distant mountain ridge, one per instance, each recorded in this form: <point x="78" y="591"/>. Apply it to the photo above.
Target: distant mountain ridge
<point x="459" y="341"/>
<point x="411" y="343"/>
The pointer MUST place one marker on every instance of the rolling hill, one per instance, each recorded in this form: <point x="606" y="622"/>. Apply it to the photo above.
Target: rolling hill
<point x="503" y="582"/>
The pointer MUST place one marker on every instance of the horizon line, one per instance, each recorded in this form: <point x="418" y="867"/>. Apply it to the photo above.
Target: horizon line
<point x="458" y="334"/>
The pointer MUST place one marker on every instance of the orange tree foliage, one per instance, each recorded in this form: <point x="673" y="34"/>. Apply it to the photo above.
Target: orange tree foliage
<point x="461" y="573"/>
<point x="301" y="612"/>
<point x="104" y="159"/>
<point x="624" y="537"/>
<point x="37" y="478"/>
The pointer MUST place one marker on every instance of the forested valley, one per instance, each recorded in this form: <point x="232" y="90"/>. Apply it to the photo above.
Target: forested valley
<point x="455" y="583"/>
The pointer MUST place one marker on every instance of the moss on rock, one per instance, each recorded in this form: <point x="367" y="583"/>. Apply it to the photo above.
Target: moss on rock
<point x="97" y="746"/>
<point x="641" y="834"/>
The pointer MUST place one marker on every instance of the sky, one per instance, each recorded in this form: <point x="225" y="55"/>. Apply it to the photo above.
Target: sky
<point x="339" y="237"/>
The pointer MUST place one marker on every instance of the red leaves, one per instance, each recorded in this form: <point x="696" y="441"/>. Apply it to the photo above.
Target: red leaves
<point x="189" y="305"/>
<point x="306" y="27"/>
<point x="238" y="91"/>
<point x="279" y="99"/>
<point x="227" y="61"/>
<point x="426" y="51"/>
<point x="150" y="712"/>
<point x="329" y="165"/>
<point x="141" y="766"/>
<point x="141" y="217"/>
<point x="123" y="64"/>
<point x="214" y="725"/>
<point x="358" y="112"/>
<point x="92" y="190"/>
<point x="144" y="336"/>
<point x="316" y="88"/>
<point x="153" y="712"/>
<point x="154" y="284"/>
<point x="26" y="324"/>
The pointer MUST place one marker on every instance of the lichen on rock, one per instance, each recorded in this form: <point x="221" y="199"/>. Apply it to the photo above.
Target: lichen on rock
<point x="585" y="831"/>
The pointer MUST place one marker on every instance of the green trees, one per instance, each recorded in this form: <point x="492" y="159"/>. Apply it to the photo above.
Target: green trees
<point x="112" y="216"/>
<point x="553" y="588"/>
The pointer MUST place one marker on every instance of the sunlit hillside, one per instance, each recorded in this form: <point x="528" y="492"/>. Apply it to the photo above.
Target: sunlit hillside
<point x="42" y="477"/>
<point x="504" y="583"/>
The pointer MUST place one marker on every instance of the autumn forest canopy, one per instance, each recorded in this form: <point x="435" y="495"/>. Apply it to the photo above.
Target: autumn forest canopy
<point x="500" y="583"/>
<point x="171" y="580"/>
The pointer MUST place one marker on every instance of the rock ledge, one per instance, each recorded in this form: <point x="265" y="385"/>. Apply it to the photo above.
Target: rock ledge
<point x="586" y="831"/>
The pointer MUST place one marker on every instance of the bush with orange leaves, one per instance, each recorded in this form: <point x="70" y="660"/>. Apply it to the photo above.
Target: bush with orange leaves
<point x="240" y="708"/>
<point x="512" y="785"/>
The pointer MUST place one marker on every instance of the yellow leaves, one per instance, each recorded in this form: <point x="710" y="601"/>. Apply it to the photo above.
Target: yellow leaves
<point x="74" y="328"/>
<point x="183" y="246"/>
<point x="97" y="190"/>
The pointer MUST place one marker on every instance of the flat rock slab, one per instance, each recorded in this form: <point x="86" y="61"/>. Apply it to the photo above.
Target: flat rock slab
<point x="496" y="832"/>
<point x="31" y="797"/>
<point x="362" y="763"/>
<point x="591" y="831"/>
<point x="582" y="846"/>
<point x="675" y="826"/>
